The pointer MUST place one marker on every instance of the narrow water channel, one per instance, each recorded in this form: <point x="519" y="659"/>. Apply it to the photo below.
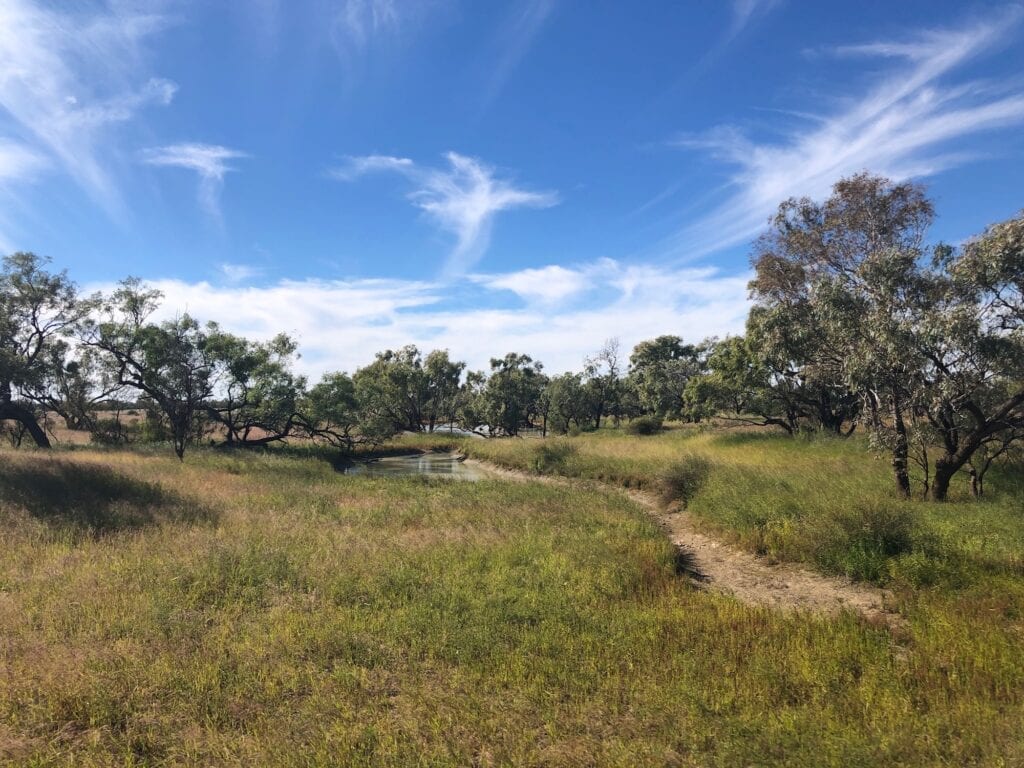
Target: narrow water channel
<point x="432" y="464"/>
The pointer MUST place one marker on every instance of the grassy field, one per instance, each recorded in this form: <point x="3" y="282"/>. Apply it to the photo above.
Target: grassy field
<point x="826" y="502"/>
<point x="261" y="609"/>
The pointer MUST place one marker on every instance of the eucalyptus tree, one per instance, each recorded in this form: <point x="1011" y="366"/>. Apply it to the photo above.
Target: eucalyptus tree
<point x="330" y="412"/>
<point x="392" y="391"/>
<point x="511" y="397"/>
<point x="659" y="370"/>
<point x="602" y="374"/>
<point x="933" y="347"/>
<point x="443" y="390"/>
<point x="847" y="270"/>
<point x="174" y="363"/>
<point x="257" y="398"/>
<point x="738" y="386"/>
<point x="972" y="339"/>
<point x="38" y="311"/>
<point x="75" y="385"/>
<point x="566" y="401"/>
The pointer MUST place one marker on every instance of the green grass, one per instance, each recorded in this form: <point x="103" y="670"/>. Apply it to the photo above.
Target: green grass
<point x="826" y="502"/>
<point x="262" y="609"/>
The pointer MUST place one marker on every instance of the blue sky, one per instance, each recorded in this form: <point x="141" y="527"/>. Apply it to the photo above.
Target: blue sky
<point x="534" y="176"/>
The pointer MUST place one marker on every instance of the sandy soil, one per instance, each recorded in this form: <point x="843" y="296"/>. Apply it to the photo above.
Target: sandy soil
<point x="718" y="566"/>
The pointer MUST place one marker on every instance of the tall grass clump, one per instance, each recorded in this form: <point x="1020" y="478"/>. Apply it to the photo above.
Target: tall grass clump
<point x="644" y="425"/>
<point x="862" y="540"/>
<point x="552" y="458"/>
<point x="681" y="480"/>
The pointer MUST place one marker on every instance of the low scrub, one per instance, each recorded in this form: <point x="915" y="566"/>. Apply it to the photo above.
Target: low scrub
<point x="644" y="425"/>
<point x="551" y="457"/>
<point x="681" y="480"/>
<point x="862" y="540"/>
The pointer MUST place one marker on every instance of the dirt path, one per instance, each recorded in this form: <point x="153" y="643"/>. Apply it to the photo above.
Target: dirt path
<point x="721" y="567"/>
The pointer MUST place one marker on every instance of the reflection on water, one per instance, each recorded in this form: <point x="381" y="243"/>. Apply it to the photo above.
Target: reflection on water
<point x="433" y="464"/>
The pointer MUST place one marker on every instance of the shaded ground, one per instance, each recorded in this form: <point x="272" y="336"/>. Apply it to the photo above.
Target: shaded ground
<point x="89" y="497"/>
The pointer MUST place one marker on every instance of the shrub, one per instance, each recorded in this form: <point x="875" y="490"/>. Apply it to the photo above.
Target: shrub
<point x="682" y="479"/>
<point x="551" y="457"/>
<point x="644" y="425"/>
<point x="864" y="539"/>
<point x="114" y="432"/>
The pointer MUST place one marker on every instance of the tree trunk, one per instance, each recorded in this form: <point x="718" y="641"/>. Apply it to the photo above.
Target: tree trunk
<point x="901" y="451"/>
<point x="944" y="472"/>
<point x="25" y="417"/>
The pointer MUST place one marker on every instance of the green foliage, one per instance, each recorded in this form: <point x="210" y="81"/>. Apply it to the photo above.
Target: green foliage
<point x="331" y="411"/>
<point x="38" y="309"/>
<point x="400" y="391"/>
<point x="258" y="395"/>
<point x="174" y="364"/>
<point x="659" y="371"/>
<point x="847" y="306"/>
<point x="511" y="397"/>
<point x="644" y="425"/>
<point x="567" y="403"/>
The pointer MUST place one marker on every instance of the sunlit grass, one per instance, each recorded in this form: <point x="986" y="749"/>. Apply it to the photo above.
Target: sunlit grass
<point x="828" y="502"/>
<point x="261" y="609"/>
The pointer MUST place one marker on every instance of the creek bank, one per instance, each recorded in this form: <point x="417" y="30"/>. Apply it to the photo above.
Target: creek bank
<point x="721" y="567"/>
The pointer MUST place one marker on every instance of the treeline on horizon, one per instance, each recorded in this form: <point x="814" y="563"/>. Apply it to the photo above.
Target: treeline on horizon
<point x="856" y="322"/>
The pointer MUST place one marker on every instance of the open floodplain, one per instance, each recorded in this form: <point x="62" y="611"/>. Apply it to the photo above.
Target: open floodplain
<point x="263" y="608"/>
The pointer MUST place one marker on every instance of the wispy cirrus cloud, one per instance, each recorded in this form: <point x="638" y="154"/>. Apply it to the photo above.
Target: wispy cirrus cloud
<point x="357" y="22"/>
<point x="18" y="162"/>
<point x="209" y="161"/>
<point x="608" y="298"/>
<point x="462" y="199"/>
<point x="362" y="30"/>
<point x="355" y="167"/>
<point x="902" y="126"/>
<point x="70" y="74"/>
<point x="745" y="12"/>
<point x="238" y="273"/>
<point x="526" y="20"/>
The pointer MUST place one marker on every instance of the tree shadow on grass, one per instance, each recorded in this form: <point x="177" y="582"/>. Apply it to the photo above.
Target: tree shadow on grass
<point x="90" y="498"/>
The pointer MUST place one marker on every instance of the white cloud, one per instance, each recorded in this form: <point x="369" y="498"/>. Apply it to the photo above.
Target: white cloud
<point x="18" y="162"/>
<point x="462" y="199"/>
<point x="238" y="273"/>
<point x="897" y="128"/>
<point x="356" y="166"/>
<point x="209" y="161"/>
<point x="69" y="76"/>
<point x="546" y="285"/>
<point x="341" y="324"/>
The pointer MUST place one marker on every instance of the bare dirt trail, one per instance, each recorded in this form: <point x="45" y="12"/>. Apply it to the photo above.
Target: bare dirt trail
<point x="722" y="567"/>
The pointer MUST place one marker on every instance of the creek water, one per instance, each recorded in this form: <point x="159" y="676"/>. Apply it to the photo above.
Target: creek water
<point x="431" y="464"/>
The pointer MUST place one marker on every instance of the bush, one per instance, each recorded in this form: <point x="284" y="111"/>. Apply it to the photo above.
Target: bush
<point x="551" y="457"/>
<point x="682" y="479"/>
<point x="114" y="432"/>
<point x="644" y="425"/>
<point x="862" y="541"/>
